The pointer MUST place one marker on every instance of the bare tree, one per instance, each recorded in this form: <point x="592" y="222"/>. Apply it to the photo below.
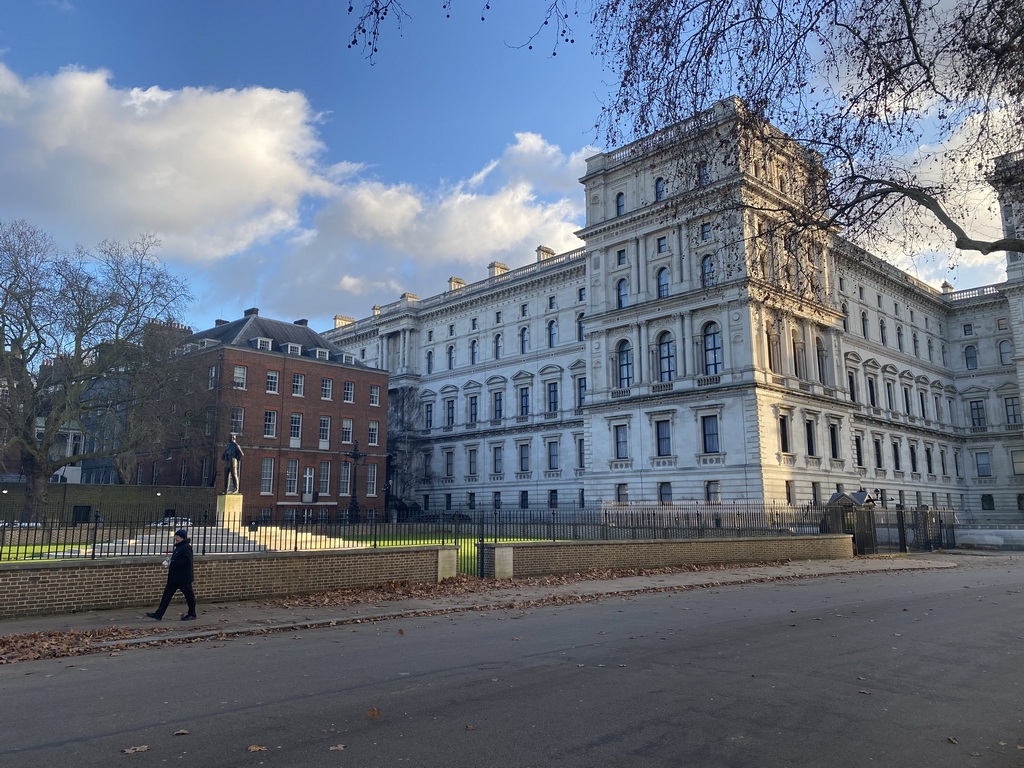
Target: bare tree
<point x="73" y="327"/>
<point x="906" y="102"/>
<point x="403" y="428"/>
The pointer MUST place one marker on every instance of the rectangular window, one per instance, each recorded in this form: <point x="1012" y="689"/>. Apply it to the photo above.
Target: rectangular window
<point x="449" y="463"/>
<point x="552" y="454"/>
<point x="295" y="427"/>
<point x="712" y="490"/>
<point x="471" y="500"/>
<point x="344" y="478"/>
<point x="497" y="460"/>
<point x="621" y="441"/>
<point x="428" y="415"/>
<point x="524" y="401"/>
<point x="270" y="423"/>
<point x="474" y="409"/>
<point x="709" y="434"/>
<point x="266" y="476"/>
<point x="237" y="420"/>
<point x="524" y="310"/>
<point x="449" y="412"/>
<point x="663" y="437"/>
<point x="497" y="405"/>
<point x="877" y="445"/>
<point x="524" y="499"/>
<point x="665" y="493"/>
<point x="581" y="391"/>
<point x="239" y="379"/>
<point x="496" y="499"/>
<point x="662" y="244"/>
<point x="705" y="232"/>
<point x="325" y="478"/>
<point x="298" y="384"/>
<point x="375" y="394"/>
<point x="581" y="294"/>
<point x="579" y="453"/>
<point x="307" y="481"/>
<point x="471" y="463"/>
<point x="524" y="457"/>
<point x="346" y="430"/>
<point x="291" y="479"/>
<point x="326" y="389"/>
<point x="833" y="440"/>
<point x="1012" y="410"/>
<point x="552" y="396"/>
<point x="913" y="458"/>
<point x="325" y="429"/>
<point x="809" y="433"/>
<point x="273" y="382"/>
<point x="1017" y="457"/>
<point x="349" y="392"/>
<point x="373" y="432"/>
<point x="784" y="434"/>
<point x="981" y="460"/>
<point x="896" y="464"/>
<point x="620" y="256"/>
<point x="552" y="499"/>
<point x="371" y="479"/>
<point x="978" y="413"/>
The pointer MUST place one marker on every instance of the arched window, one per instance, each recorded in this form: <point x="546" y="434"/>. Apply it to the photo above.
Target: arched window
<point x="451" y="357"/>
<point x="620" y="204"/>
<point x="498" y="348"/>
<point x="883" y="336"/>
<point x="474" y="352"/>
<point x="659" y="189"/>
<point x="430" y="362"/>
<point x="666" y="357"/>
<point x="712" y="337"/>
<point x="846" y="317"/>
<point x="971" y="357"/>
<point x="662" y="279"/>
<point x="1005" y="352"/>
<point x="524" y="340"/>
<point x="821" y="354"/>
<point x="899" y="337"/>
<point x="552" y="333"/>
<point x="624" y="360"/>
<point x="707" y="271"/>
<point x="622" y="294"/>
<point x="864" y="325"/>
<point x="581" y="327"/>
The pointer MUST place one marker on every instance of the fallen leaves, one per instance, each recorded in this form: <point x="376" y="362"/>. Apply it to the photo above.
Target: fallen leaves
<point x="336" y="748"/>
<point x="133" y="750"/>
<point x="256" y="748"/>
<point x="182" y="732"/>
<point x="373" y="713"/>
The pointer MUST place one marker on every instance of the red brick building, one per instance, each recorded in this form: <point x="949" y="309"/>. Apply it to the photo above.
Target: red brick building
<point x="311" y="420"/>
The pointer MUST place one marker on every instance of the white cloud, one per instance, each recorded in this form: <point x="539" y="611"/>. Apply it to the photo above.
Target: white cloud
<point x="210" y="172"/>
<point x="376" y="240"/>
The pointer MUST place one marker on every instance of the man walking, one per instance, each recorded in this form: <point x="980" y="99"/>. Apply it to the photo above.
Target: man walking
<point x="179" y="577"/>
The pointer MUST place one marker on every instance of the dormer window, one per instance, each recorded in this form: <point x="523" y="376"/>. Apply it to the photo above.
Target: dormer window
<point x="293" y="349"/>
<point x="322" y="354"/>
<point x="265" y="344"/>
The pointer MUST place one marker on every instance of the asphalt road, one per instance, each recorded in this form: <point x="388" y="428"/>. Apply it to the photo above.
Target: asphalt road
<point x="893" y="669"/>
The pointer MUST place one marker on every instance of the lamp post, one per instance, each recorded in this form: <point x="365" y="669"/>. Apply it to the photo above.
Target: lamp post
<point x="353" y="503"/>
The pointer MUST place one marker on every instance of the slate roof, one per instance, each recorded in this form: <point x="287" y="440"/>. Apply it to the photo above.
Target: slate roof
<point x="244" y="332"/>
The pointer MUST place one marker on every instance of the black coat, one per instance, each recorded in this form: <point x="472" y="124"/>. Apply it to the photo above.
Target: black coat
<point x="179" y="571"/>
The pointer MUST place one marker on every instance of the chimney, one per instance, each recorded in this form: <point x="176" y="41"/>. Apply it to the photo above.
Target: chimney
<point x="218" y="323"/>
<point x="456" y="282"/>
<point x="303" y="322"/>
<point x="376" y="310"/>
<point x="543" y="252"/>
<point x="340" y="321"/>
<point x="946" y="287"/>
<point x="496" y="268"/>
<point x="253" y="311"/>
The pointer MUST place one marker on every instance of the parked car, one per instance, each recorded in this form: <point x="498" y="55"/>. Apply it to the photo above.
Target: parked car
<point x="172" y="522"/>
<point x="441" y="517"/>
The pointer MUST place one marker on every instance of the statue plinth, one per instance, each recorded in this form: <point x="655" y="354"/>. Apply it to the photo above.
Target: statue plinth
<point x="229" y="510"/>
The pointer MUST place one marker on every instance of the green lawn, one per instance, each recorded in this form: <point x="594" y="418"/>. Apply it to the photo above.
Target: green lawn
<point x="31" y="551"/>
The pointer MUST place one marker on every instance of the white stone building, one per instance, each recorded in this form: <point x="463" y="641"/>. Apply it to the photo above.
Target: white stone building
<point x="697" y="349"/>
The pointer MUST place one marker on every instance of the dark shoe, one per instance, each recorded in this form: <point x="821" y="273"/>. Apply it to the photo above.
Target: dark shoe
<point x="156" y="616"/>
<point x="189" y="617"/>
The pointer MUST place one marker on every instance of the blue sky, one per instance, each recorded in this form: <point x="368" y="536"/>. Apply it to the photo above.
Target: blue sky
<point x="279" y="168"/>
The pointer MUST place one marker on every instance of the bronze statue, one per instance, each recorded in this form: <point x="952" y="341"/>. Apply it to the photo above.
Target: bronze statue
<point x="232" y="456"/>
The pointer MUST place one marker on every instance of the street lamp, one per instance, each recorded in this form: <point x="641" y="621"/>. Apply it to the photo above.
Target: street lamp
<point x="353" y="503"/>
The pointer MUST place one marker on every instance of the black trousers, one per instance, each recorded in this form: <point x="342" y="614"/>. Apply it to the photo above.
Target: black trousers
<point x="169" y="590"/>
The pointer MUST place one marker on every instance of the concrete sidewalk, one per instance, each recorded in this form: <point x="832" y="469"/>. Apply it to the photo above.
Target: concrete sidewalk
<point x="269" y="615"/>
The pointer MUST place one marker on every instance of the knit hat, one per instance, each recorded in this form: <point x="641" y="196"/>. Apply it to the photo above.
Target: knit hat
<point x="182" y="533"/>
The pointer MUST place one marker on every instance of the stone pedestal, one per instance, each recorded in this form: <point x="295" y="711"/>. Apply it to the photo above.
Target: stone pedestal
<point x="229" y="510"/>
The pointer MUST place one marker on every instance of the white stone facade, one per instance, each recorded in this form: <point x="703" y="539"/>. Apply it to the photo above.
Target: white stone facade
<point x="693" y="351"/>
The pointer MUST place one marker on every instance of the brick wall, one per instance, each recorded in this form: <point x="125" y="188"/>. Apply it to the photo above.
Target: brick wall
<point x="512" y="560"/>
<point x="35" y="589"/>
